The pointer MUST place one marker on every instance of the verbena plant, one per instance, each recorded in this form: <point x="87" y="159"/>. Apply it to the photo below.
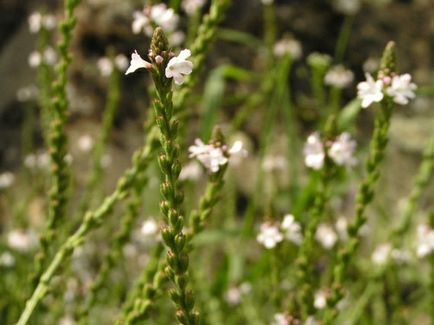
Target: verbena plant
<point x="246" y="234"/>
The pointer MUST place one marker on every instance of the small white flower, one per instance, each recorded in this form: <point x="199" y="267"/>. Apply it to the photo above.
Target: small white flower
<point x="370" y="91"/>
<point x="424" y="240"/>
<point x="292" y="229"/>
<point x="66" y="320"/>
<point x="50" y="56"/>
<point x="192" y="6"/>
<point x="137" y="63"/>
<point x="35" y="59"/>
<point x="211" y="157"/>
<point x="235" y="293"/>
<point x="106" y="161"/>
<point x="320" y="300"/>
<point x="7" y="259"/>
<point x="121" y="62"/>
<point x="267" y="2"/>
<point x="402" y="89"/>
<point x="339" y="77"/>
<point x="347" y="7"/>
<point x="27" y="93"/>
<point x="49" y="22"/>
<point x="310" y="320"/>
<point x="164" y="17"/>
<point x="176" y="38"/>
<point x="237" y="153"/>
<point x="314" y="152"/>
<point x="150" y="228"/>
<point x="35" y="22"/>
<point x="178" y="67"/>
<point x="326" y="236"/>
<point x="191" y="171"/>
<point x="6" y="180"/>
<point x="288" y="46"/>
<point x="269" y="235"/>
<point x="280" y="319"/>
<point x="85" y="143"/>
<point x="381" y="254"/>
<point x="105" y="66"/>
<point x="22" y="240"/>
<point x="342" y="150"/>
<point x="141" y="23"/>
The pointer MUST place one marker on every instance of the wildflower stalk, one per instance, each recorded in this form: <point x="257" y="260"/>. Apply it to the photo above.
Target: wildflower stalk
<point x="366" y="190"/>
<point x="58" y="142"/>
<point x="92" y="220"/>
<point x="421" y="182"/>
<point x="101" y="144"/>
<point x="172" y="197"/>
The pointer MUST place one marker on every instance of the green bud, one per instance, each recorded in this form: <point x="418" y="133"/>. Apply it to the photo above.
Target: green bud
<point x="159" y="42"/>
<point x="388" y="60"/>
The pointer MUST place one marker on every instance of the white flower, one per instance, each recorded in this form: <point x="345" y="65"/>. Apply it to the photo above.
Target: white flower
<point x="141" y="23"/>
<point x="27" y="93"/>
<point x="274" y="163"/>
<point x="121" y="62"/>
<point x="176" y="38"/>
<point x="370" y="91"/>
<point x="150" y="228"/>
<point x="137" y="63"/>
<point x="288" y="46"/>
<point x="342" y="150"/>
<point x="339" y="77"/>
<point x="164" y="17"/>
<point x="326" y="236"/>
<point x="237" y="153"/>
<point x="402" y="89"/>
<point x="38" y="160"/>
<point x="310" y="320"/>
<point x="381" y="254"/>
<point x="292" y="229"/>
<point x="348" y="7"/>
<point x="191" y="171"/>
<point x="314" y="152"/>
<point x="50" y="56"/>
<point x="235" y="293"/>
<point x="192" y="6"/>
<point x="7" y="259"/>
<point x="21" y="240"/>
<point x="105" y="66"/>
<point x="35" y="22"/>
<point x="66" y="320"/>
<point x="49" y="22"/>
<point x="269" y="235"/>
<point x="424" y="240"/>
<point x="211" y="157"/>
<point x="320" y="300"/>
<point x="85" y="143"/>
<point x="267" y="2"/>
<point x="35" y="59"/>
<point x="178" y="67"/>
<point x="6" y="180"/>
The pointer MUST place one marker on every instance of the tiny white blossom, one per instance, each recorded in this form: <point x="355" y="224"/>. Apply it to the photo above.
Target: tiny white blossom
<point x="85" y="143"/>
<point x="310" y="320"/>
<point x="292" y="229"/>
<point x="164" y="17"/>
<point x="320" y="300"/>
<point x="424" y="240"/>
<point x="237" y="153"/>
<point x="326" y="236"/>
<point x="38" y="160"/>
<point x="381" y="254"/>
<point x="6" y="180"/>
<point x="27" y="93"/>
<point x="141" y="23"/>
<point x="342" y="150"/>
<point x="314" y="152"/>
<point x="191" y="171"/>
<point x="211" y="157"/>
<point x="178" y="67"/>
<point x="287" y="46"/>
<point x="7" y="259"/>
<point x="49" y="22"/>
<point x="342" y="228"/>
<point x="267" y="2"/>
<point x="402" y="89"/>
<point x="121" y="62"/>
<point x="105" y="66"/>
<point x="66" y="320"/>
<point x="348" y="7"/>
<point x="370" y="91"/>
<point x="150" y="228"/>
<point x="50" y="56"/>
<point x="235" y="293"/>
<point x="339" y="77"/>
<point x="192" y="6"/>
<point x="269" y="235"/>
<point x="35" y="59"/>
<point x="280" y="319"/>
<point x="35" y="22"/>
<point x="176" y="38"/>
<point x="22" y="240"/>
<point x="137" y="63"/>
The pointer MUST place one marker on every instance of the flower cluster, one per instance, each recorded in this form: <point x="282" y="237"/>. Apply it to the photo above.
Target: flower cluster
<point x="38" y="21"/>
<point x="48" y="57"/>
<point x="215" y="155"/>
<point x="177" y="68"/>
<point x="339" y="77"/>
<point x="158" y="15"/>
<point x="341" y="151"/>
<point x="270" y="234"/>
<point x="399" y="87"/>
<point x="235" y="294"/>
<point x="288" y="46"/>
<point x="7" y="179"/>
